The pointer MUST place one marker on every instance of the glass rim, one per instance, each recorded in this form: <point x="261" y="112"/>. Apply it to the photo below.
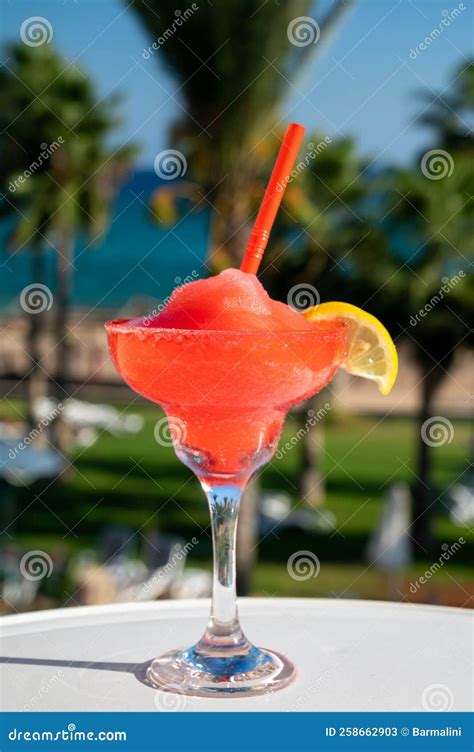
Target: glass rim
<point x="125" y="326"/>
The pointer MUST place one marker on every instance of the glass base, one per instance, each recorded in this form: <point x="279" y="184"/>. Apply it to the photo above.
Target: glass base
<point x="191" y="672"/>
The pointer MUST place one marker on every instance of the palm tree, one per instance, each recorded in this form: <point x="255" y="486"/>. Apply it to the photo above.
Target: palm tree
<point x="450" y="116"/>
<point x="59" y="176"/>
<point x="392" y="241"/>
<point x="448" y="113"/>
<point x="429" y="296"/>
<point x="316" y="233"/>
<point x="433" y="202"/>
<point x="233" y="64"/>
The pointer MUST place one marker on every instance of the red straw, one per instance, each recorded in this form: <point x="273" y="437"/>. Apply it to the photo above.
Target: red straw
<point x="272" y="198"/>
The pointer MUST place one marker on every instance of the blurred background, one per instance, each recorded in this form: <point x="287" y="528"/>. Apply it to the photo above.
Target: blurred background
<point x="137" y="138"/>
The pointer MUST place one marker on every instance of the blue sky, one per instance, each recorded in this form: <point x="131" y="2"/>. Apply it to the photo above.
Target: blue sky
<point x="364" y="84"/>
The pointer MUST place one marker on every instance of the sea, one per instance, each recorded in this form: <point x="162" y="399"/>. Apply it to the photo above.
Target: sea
<point x="136" y="260"/>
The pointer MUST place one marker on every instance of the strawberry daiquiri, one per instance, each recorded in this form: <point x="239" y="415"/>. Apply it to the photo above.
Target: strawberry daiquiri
<point x="226" y="363"/>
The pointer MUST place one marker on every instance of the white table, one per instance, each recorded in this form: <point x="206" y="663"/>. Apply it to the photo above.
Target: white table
<point x="351" y="656"/>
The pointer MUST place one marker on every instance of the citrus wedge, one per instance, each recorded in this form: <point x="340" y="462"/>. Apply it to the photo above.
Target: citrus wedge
<point x="370" y="351"/>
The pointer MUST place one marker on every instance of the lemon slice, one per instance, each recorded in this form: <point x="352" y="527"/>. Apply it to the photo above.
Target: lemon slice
<point x="370" y="351"/>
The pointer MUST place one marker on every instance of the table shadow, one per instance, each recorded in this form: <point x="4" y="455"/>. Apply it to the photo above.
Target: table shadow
<point x="138" y="670"/>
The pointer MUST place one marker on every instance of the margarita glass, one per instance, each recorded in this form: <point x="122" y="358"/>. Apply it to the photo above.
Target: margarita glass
<point x="226" y="395"/>
<point x="226" y="363"/>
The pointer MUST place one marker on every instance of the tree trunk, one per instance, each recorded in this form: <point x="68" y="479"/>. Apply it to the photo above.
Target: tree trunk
<point x="247" y="537"/>
<point x="423" y="507"/>
<point x="311" y="484"/>
<point x="229" y="233"/>
<point x="62" y="301"/>
<point x="231" y="223"/>
<point x="36" y="383"/>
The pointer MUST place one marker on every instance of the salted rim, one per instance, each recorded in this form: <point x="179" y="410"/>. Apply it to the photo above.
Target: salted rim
<point x="124" y="326"/>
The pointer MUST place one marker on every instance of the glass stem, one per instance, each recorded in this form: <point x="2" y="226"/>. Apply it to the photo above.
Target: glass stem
<point x="223" y="630"/>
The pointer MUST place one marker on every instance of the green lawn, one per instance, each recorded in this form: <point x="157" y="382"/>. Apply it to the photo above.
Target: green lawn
<point x="135" y="481"/>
